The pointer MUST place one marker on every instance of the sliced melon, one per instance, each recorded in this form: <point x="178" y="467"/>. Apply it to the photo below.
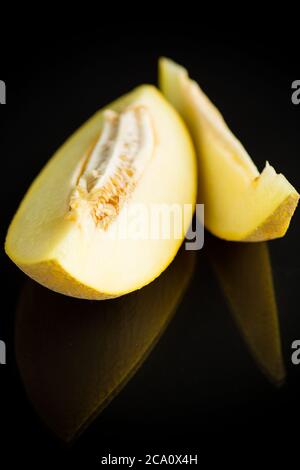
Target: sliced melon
<point x="240" y="203"/>
<point x="68" y="233"/>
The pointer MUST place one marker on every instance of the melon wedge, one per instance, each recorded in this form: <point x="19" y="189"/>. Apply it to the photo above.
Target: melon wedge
<point x="240" y="203"/>
<point x="68" y="233"/>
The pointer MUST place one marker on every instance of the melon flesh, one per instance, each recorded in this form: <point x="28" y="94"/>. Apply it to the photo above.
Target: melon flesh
<point x="240" y="203"/>
<point x="54" y="237"/>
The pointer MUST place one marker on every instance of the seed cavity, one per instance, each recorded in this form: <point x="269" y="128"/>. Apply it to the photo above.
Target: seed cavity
<point x="113" y="166"/>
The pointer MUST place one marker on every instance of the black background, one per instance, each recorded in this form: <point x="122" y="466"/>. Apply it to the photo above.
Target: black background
<point x="199" y="389"/>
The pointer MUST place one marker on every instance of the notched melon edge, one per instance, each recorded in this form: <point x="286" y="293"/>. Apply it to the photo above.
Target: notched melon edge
<point x="273" y="227"/>
<point x="278" y="221"/>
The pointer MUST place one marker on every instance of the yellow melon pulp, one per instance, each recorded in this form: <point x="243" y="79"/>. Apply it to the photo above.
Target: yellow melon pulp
<point x="240" y="203"/>
<point x="66" y="233"/>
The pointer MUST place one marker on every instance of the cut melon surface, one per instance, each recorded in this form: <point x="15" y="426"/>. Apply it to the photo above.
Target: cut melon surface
<point x="241" y="204"/>
<point x="136" y="152"/>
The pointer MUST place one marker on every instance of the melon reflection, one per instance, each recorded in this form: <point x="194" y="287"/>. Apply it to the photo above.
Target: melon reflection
<point x="244" y="273"/>
<point x="74" y="356"/>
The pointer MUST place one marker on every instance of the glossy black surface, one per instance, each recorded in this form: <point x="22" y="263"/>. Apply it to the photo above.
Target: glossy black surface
<point x="211" y="381"/>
